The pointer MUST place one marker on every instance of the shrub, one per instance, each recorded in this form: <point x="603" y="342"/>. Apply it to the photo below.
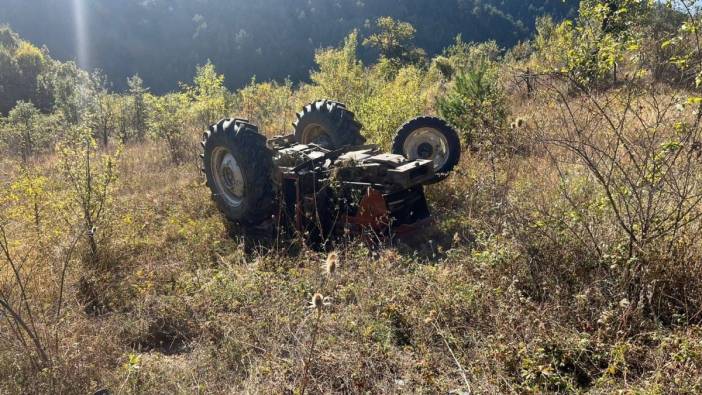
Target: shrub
<point x="391" y="105"/>
<point x="464" y="56"/>
<point x="476" y="105"/>
<point x="210" y="98"/>
<point x="341" y="75"/>
<point x="269" y="105"/>
<point x="592" y="49"/>
<point x="89" y="178"/>
<point x="167" y="121"/>
<point x="26" y="132"/>
<point x="639" y="159"/>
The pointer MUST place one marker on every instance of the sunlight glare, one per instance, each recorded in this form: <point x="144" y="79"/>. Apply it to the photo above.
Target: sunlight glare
<point x="81" y="33"/>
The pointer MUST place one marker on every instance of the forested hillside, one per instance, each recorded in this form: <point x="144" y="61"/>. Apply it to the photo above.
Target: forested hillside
<point x="163" y="40"/>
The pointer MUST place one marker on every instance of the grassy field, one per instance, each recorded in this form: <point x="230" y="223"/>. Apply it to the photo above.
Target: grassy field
<point x="493" y="299"/>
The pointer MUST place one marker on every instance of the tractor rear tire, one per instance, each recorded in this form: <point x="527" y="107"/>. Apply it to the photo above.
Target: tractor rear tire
<point x="328" y="124"/>
<point x="239" y="166"/>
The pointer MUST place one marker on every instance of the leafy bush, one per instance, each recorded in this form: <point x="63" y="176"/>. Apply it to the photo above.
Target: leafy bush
<point x="167" y="121"/>
<point x="341" y="75"/>
<point x="269" y="105"/>
<point x="592" y="49"/>
<point x="26" y="132"/>
<point x="684" y="47"/>
<point x="210" y="98"/>
<point x="460" y="56"/>
<point x="464" y="56"/>
<point x="391" y="105"/>
<point x="476" y="105"/>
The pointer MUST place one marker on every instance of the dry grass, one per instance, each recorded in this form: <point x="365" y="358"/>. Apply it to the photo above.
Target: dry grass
<point x="501" y="297"/>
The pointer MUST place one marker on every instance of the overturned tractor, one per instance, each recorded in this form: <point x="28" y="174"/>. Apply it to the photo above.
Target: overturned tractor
<point x="322" y="181"/>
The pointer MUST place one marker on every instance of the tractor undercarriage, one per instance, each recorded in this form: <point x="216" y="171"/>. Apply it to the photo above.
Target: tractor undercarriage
<point x="322" y="183"/>
<point x="352" y="190"/>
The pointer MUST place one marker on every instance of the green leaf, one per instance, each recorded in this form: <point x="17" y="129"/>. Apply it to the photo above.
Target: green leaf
<point x="694" y="100"/>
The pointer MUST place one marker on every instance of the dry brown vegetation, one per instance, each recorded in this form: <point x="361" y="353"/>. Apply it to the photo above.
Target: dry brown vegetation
<point x="565" y="255"/>
<point x="520" y="288"/>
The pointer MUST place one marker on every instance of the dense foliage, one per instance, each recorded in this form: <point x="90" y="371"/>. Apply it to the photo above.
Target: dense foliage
<point x="164" y="40"/>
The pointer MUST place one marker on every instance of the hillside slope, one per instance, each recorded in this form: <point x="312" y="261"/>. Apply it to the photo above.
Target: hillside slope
<point x="565" y="256"/>
<point x="164" y="40"/>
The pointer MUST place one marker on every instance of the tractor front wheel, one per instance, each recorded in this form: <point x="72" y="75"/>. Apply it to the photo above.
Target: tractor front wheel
<point x="432" y="139"/>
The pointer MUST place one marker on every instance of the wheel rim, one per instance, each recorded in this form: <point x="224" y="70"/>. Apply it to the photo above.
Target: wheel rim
<point x="315" y="133"/>
<point x="228" y="176"/>
<point x="427" y="143"/>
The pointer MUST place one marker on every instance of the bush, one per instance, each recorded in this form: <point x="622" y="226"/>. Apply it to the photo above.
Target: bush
<point x="464" y="56"/>
<point x="476" y="105"/>
<point x="341" y="75"/>
<point x="640" y="209"/>
<point x="391" y="105"/>
<point x="268" y="105"/>
<point x="89" y="178"/>
<point x="26" y="132"/>
<point x="593" y="49"/>
<point x="167" y="121"/>
<point x="210" y="98"/>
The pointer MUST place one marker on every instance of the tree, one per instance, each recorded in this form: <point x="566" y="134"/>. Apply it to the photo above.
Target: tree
<point x="122" y="104"/>
<point x="167" y="120"/>
<point x="395" y="42"/>
<point x="138" y="112"/>
<point x="105" y="116"/>
<point x="70" y="89"/>
<point x="9" y="74"/>
<point x="104" y="109"/>
<point x="476" y="104"/>
<point x="21" y="64"/>
<point x="32" y="64"/>
<point x="210" y="97"/>
<point x="90" y="177"/>
<point x="286" y="31"/>
<point x="341" y="76"/>
<point x="22" y="133"/>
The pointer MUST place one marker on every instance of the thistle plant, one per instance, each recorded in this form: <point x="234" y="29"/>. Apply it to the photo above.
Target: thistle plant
<point x="316" y="305"/>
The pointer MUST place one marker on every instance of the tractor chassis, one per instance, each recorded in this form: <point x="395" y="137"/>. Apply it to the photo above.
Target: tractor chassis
<point x="375" y="195"/>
